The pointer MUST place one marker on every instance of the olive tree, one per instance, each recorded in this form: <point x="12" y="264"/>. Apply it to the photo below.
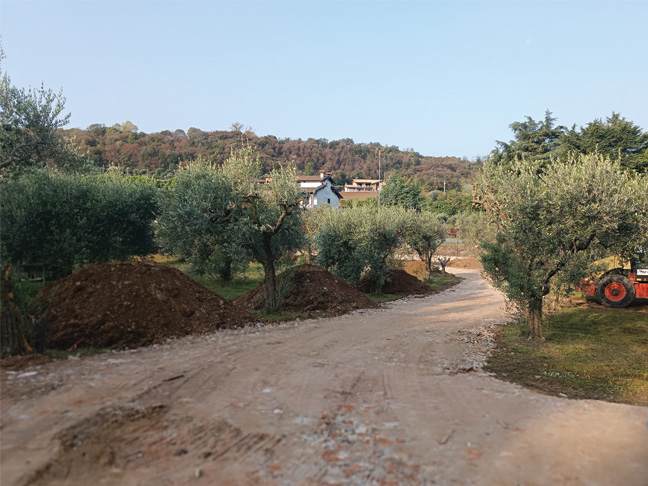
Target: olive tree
<point x="231" y="214"/>
<point x="268" y="221"/>
<point x="361" y="242"/>
<point x="29" y="120"/>
<point x="547" y="221"/>
<point x="424" y="233"/>
<point x="197" y="211"/>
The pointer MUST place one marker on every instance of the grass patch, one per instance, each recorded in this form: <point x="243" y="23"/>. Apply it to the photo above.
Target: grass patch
<point x="227" y="290"/>
<point x="279" y="316"/>
<point x="442" y="282"/>
<point x="382" y="298"/>
<point x="588" y="353"/>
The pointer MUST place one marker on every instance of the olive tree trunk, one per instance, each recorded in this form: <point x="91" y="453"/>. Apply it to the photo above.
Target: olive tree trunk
<point x="535" y="317"/>
<point x="270" y="286"/>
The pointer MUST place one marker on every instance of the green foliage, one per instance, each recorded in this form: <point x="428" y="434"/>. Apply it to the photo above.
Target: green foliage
<point x="616" y="138"/>
<point x="220" y="216"/>
<point x="449" y="203"/>
<point x="361" y="242"/>
<point x="61" y="220"/>
<point x="425" y="232"/>
<point x="533" y="140"/>
<point x="269" y="216"/>
<point x="196" y="218"/>
<point x="548" y="222"/>
<point x="402" y="192"/>
<point x="158" y="152"/>
<point x="473" y="229"/>
<point x="22" y="326"/>
<point x="29" y="120"/>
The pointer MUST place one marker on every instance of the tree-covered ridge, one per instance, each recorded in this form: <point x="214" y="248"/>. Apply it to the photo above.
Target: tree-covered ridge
<point x="543" y="140"/>
<point x="160" y="153"/>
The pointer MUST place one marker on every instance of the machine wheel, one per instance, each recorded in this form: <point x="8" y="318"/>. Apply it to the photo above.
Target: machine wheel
<point x="615" y="290"/>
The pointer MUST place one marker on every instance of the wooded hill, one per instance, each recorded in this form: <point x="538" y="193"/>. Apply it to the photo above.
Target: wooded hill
<point x="160" y="153"/>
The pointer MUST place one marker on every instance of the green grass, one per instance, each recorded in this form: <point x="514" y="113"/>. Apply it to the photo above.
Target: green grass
<point x="26" y="291"/>
<point x="443" y="282"/>
<point x="382" y="298"/>
<point x="597" y="353"/>
<point x="228" y="290"/>
<point x="279" y="316"/>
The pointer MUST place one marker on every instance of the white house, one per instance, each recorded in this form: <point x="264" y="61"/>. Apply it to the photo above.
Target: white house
<point x="320" y="190"/>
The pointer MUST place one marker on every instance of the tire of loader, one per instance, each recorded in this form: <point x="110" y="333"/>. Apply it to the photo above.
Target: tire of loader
<point x="615" y="290"/>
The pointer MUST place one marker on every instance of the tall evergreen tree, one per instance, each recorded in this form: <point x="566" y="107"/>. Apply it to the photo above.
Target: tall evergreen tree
<point x="533" y="140"/>
<point x="616" y="138"/>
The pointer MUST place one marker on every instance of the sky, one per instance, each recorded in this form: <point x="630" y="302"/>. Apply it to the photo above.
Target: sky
<point x="444" y="78"/>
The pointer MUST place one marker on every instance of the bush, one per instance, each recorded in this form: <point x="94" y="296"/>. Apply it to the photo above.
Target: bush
<point x="361" y="242"/>
<point x="61" y="220"/>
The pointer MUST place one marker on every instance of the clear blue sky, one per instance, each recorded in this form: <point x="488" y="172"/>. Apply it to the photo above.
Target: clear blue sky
<point x="443" y="78"/>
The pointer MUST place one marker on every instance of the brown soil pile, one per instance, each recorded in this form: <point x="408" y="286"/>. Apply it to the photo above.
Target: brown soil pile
<point x="131" y="304"/>
<point x="468" y="262"/>
<point x="417" y="268"/>
<point x="314" y="291"/>
<point x="400" y="282"/>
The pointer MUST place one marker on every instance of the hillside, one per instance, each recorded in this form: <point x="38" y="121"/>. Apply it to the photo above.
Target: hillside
<point x="164" y="151"/>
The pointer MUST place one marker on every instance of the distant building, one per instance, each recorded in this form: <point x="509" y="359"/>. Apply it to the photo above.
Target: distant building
<point x="320" y="190"/>
<point x="362" y="189"/>
<point x="364" y="185"/>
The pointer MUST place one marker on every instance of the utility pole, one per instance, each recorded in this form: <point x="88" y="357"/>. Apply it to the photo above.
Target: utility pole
<point x="378" y="179"/>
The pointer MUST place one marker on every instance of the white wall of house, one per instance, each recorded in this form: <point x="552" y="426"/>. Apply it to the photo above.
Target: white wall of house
<point x="325" y="195"/>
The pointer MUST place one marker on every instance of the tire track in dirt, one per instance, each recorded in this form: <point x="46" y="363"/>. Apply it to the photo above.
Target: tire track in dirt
<point x="371" y="398"/>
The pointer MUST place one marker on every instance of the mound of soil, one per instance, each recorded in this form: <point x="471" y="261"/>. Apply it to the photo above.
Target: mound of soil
<point x="400" y="282"/>
<point x="468" y="262"/>
<point x="131" y="304"/>
<point x="417" y="268"/>
<point x="314" y="291"/>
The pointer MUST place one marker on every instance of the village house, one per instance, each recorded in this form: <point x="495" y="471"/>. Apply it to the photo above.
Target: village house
<point x="320" y="190"/>
<point x="362" y="189"/>
<point x="364" y="185"/>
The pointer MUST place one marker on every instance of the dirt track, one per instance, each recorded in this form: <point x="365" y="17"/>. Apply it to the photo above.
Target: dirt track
<point x="377" y="397"/>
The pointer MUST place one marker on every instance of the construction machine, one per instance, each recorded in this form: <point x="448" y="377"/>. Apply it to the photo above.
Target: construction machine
<point x="618" y="287"/>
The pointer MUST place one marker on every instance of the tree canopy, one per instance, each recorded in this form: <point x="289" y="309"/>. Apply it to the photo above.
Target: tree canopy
<point x="162" y="152"/>
<point x="61" y="220"/>
<point x="547" y="223"/>
<point x="533" y="140"/>
<point x="615" y="137"/>
<point x="540" y="141"/>
<point x="403" y="192"/>
<point x="29" y="124"/>
<point x="225" y="214"/>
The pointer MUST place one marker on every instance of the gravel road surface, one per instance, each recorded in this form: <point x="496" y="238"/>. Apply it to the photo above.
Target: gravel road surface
<point x="394" y="396"/>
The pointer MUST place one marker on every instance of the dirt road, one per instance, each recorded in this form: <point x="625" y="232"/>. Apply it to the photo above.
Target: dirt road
<point x="380" y="397"/>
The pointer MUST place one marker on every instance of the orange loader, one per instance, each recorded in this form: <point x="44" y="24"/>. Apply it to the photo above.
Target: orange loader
<point x="619" y="287"/>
